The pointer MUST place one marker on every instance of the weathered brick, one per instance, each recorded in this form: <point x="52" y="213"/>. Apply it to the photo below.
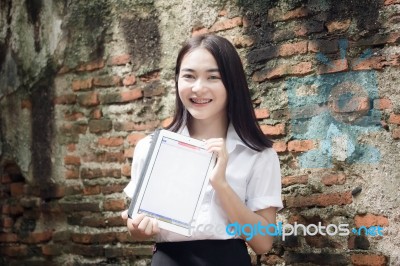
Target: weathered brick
<point x="337" y="198"/>
<point x="270" y="259"/>
<point x="72" y="173"/>
<point x="132" y="126"/>
<point x="47" y="190"/>
<point x="129" y="80"/>
<point x="80" y="206"/>
<point x="376" y="62"/>
<point x="199" y="31"/>
<point x="100" y="126"/>
<point x="87" y="250"/>
<point x="65" y="99"/>
<point x="275" y="130"/>
<point x="91" y="190"/>
<point x="131" y="95"/>
<point x="113" y="188"/>
<point x="323" y="46"/>
<point x="291" y="180"/>
<point x="98" y="172"/>
<point x="377" y="39"/>
<point x="369" y="220"/>
<point x="107" y="81"/>
<point x="126" y="168"/>
<point x="279" y="146"/>
<point x="277" y="14"/>
<point x="243" y="41"/>
<point x="334" y="66"/>
<point x="73" y="116"/>
<point x="61" y="236"/>
<point x="72" y="160"/>
<point x="111" y="141"/>
<point x="37" y="237"/>
<point x="17" y="189"/>
<point x="6" y="222"/>
<point x="134" y="138"/>
<point x="115" y="221"/>
<point x="301" y="145"/>
<point x="90" y="66"/>
<point x="394" y="119"/>
<point x="368" y="259"/>
<point x="96" y="114"/>
<point x="73" y="128"/>
<point x="358" y="242"/>
<point x="391" y="2"/>
<point x="128" y="153"/>
<point x="150" y="76"/>
<point x="338" y="26"/>
<point x="114" y="205"/>
<point x="51" y="250"/>
<point x="259" y="55"/>
<point x="14" y="251"/>
<point x="109" y="157"/>
<point x="8" y="238"/>
<point x="71" y="147"/>
<point x="82" y="84"/>
<point x="99" y="238"/>
<point x="88" y="99"/>
<point x="315" y="258"/>
<point x="290" y="49"/>
<point x="396" y="133"/>
<point x="319" y="241"/>
<point x="153" y="88"/>
<point x="383" y="104"/>
<point x="282" y="71"/>
<point x="225" y="24"/>
<point x="333" y="179"/>
<point x="5" y="179"/>
<point x="140" y="250"/>
<point x="261" y="113"/>
<point x="309" y="27"/>
<point x="121" y="59"/>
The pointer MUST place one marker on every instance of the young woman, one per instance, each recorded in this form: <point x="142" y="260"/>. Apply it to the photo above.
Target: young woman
<point x="213" y="104"/>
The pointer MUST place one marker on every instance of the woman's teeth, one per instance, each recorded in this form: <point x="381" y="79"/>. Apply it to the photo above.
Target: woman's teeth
<point x="200" y="101"/>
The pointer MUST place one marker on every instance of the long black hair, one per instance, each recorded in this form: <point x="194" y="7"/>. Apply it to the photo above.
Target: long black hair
<point x="239" y="108"/>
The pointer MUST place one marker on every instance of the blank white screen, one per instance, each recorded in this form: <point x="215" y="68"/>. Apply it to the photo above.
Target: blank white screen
<point x="176" y="181"/>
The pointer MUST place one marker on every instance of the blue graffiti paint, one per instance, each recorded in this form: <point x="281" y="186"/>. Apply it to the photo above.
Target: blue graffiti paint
<point x="325" y="108"/>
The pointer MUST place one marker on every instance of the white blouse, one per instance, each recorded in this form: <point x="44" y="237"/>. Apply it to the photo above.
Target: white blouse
<point x="254" y="176"/>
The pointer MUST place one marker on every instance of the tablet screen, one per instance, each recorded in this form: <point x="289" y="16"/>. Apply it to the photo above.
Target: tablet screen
<point x="175" y="182"/>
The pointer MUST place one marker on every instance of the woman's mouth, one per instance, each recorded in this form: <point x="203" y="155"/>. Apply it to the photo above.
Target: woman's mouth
<point x="200" y="101"/>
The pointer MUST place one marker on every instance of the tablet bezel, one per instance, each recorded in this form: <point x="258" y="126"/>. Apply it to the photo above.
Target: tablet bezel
<point x="147" y="175"/>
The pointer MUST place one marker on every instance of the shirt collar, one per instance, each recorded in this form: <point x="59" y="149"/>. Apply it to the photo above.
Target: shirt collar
<point x="232" y="138"/>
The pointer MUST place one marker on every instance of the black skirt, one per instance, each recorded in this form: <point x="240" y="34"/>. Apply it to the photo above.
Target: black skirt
<point x="201" y="253"/>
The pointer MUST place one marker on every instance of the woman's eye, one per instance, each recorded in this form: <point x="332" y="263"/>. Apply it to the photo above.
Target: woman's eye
<point x="214" y="77"/>
<point x="188" y="76"/>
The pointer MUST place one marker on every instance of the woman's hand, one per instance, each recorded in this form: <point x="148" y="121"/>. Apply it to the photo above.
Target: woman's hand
<point x="218" y="146"/>
<point x="141" y="227"/>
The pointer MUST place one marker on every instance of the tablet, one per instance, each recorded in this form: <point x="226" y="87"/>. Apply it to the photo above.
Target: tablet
<point x="173" y="181"/>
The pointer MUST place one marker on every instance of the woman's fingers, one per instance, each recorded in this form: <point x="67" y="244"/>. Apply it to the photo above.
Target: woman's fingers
<point x="124" y="214"/>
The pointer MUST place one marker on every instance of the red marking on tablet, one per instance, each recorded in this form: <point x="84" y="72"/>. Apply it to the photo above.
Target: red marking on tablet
<point x="188" y="145"/>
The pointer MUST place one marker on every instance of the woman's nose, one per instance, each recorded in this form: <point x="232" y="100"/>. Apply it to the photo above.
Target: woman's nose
<point x="198" y="86"/>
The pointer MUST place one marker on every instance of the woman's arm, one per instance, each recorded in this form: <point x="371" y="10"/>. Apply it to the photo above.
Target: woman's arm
<point x="235" y="209"/>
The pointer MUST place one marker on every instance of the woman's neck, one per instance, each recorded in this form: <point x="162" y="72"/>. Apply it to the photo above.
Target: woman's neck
<point x="202" y="129"/>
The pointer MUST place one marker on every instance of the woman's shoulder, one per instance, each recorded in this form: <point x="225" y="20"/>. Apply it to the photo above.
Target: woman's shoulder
<point x="268" y="155"/>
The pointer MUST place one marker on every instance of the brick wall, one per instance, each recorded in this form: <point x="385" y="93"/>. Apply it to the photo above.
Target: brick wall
<point x="323" y="78"/>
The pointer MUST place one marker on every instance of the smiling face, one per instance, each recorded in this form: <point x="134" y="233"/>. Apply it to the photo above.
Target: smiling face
<point x="200" y="86"/>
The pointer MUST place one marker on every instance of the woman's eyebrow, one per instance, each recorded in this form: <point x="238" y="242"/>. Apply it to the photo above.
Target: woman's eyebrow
<point x="208" y="70"/>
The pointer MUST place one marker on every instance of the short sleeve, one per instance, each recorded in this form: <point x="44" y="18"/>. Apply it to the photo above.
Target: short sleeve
<point x="139" y="157"/>
<point x="264" y="185"/>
